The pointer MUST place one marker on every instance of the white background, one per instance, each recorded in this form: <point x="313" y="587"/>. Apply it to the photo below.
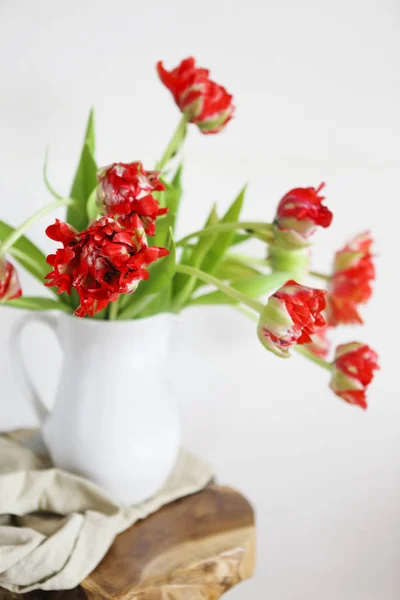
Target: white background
<point x="316" y="86"/>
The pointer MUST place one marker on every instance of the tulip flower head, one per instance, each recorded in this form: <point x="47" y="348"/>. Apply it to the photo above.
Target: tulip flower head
<point x="126" y="189"/>
<point x="353" y="371"/>
<point x="10" y="287"/>
<point x="292" y="315"/>
<point x="101" y="263"/>
<point x="299" y="214"/>
<point x="350" y="285"/>
<point x="201" y="100"/>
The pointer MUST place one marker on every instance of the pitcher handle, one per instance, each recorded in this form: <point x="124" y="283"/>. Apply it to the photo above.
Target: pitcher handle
<point x="41" y="411"/>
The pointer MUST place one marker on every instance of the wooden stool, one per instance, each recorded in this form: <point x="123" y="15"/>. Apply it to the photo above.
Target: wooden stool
<point x="196" y="548"/>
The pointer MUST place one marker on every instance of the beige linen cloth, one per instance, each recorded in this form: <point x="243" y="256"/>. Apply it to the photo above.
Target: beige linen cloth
<point x="55" y="527"/>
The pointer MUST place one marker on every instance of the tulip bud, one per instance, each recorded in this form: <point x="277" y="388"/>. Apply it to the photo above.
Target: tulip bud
<point x="299" y="214"/>
<point x="201" y="100"/>
<point x="290" y="317"/>
<point x="352" y="372"/>
<point x="126" y="189"/>
<point x="350" y="284"/>
<point x="10" y="287"/>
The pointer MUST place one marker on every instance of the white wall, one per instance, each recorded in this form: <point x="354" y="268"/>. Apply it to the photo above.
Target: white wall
<point x="317" y="91"/>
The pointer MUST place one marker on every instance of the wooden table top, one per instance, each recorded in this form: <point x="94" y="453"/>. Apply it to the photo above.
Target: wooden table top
<point x="196" y="548"/>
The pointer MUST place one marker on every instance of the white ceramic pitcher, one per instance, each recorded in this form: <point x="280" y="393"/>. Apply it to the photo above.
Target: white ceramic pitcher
<point x="113" y="419"/>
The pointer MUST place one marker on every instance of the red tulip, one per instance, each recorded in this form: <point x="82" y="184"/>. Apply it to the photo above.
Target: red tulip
<point x="299" y="214"/>
<point x="350" y="284"/>
<point x="101" y="262"/>
<point x="290" y="317"/>
<point x="205" y="103"/>
<point x="126" y="189"/>
<point x="353" y="371"/>
<point x="10" y="287"/>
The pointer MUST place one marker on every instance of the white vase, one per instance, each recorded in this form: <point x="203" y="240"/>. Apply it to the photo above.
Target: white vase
<point x="113" y="419"/>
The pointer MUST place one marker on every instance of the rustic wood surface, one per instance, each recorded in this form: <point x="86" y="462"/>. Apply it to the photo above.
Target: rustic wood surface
<point x="196" y="548"/>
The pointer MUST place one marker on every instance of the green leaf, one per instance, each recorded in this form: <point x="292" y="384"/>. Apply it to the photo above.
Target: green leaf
<point x="239" y="238"/>
<point x="26" y="253"/>
<point x="184" y="285"/>
<point x="254" y="287"/>
<point x="161" y="273"/>
<point x="231" y="268"/>
<point x="159" y="303"/>
<point x="222" y="242"/>
<point x="36" y="303"/>
<point x="46" y="179"/>
<point x="131" y="309"/>
<point x="85" y="180"/>
<point x="169" y="198"/>
<point x="90" y="139"/>
<point x="164" y="224"/>
<point x="93" y="209"/>
<point x="174" y="189"/>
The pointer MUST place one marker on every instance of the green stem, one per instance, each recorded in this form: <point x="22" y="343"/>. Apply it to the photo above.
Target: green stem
<point x="113" y="310"/>
<point x="320" y="275"/>
<point x="246" y="312"/>
<point x="174" y="145"/>
<point x="132" y="310"/>
<point x="221" y="286"/>
<point x="46" y="180"/>
<point x="28" y="259"/>
<point x="17" y="233"/>
<point x="24" y="304"/>
<point x="223" y="227"/>
<point x="250" y="260"/>
<point x="316" y="359"/>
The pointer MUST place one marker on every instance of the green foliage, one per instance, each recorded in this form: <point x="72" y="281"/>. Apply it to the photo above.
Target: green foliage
<point x="174" y="145"/>
<point x="239" y="238"/>
<point x="26" y="253"/>
<point x="161" y="273"/>
<point x="232" y="268"/>
<point x="223" y="241"/>
<point x="252" y="286"/>
<point x="159" y="303"/>
<point x="184" y="285"/>
<point x="36" y="303"/>
<point x="92" y="208"/>
<point x="170" y="198"/>
<point x="85" y="180"/>
<point x="46" y="179"/>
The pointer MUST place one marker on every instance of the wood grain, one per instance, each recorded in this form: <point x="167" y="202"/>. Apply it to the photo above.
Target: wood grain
<point x="196" y="548"/>
<point x="193" y="549"/>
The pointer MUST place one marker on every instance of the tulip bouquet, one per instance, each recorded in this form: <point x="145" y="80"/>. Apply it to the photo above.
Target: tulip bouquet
<point x="118" y="259"/>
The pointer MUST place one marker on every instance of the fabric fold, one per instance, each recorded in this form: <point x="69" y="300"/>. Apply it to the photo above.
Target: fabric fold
<point x="55" y="527"/>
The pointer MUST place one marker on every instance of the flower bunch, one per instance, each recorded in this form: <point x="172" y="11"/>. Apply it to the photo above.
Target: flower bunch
<point x="349" y="286"/>
<point x="118" y="259"/>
